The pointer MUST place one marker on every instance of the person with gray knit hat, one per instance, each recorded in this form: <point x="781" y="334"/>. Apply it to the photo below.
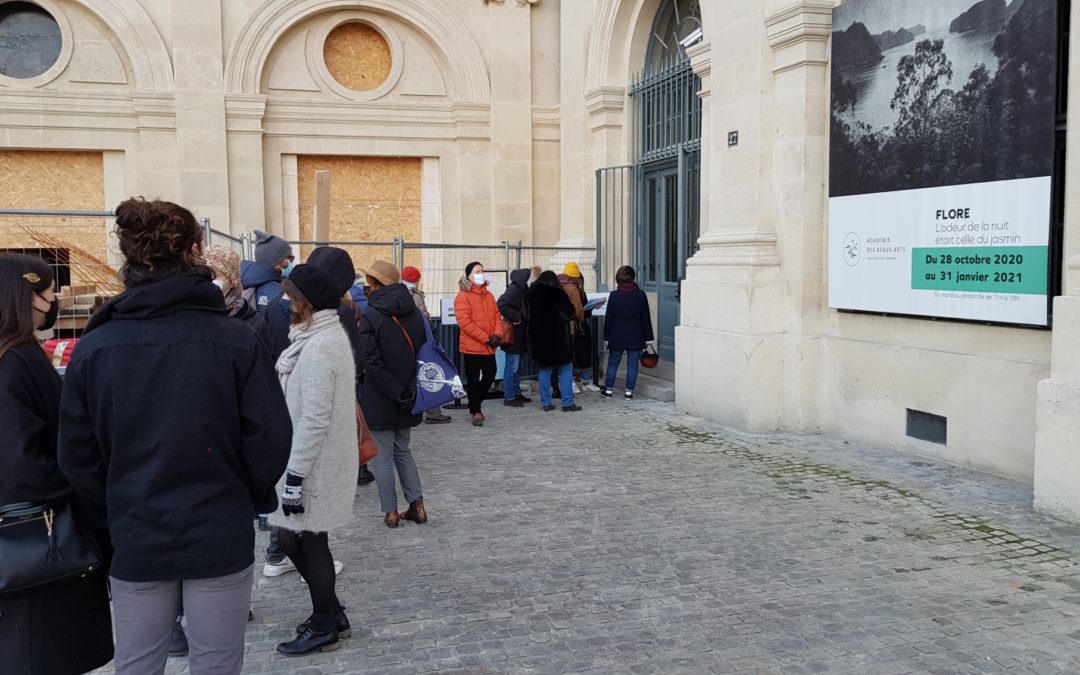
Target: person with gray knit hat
<point x="273" y="251"/>
<point x="317" y="491"/>
<point x="262" y="277"/>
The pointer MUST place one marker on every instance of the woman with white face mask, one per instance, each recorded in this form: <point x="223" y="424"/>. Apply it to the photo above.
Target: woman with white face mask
<point x="480" y="322"/>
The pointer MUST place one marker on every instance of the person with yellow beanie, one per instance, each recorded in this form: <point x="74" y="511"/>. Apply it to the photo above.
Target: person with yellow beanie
<point x="573" y="283"/>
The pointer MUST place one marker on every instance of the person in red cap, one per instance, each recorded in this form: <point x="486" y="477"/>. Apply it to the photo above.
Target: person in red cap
<point x="410" y="276"/>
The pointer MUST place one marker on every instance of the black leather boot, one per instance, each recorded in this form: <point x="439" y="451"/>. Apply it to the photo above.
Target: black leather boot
<point x="365" y="476"/>
<point x="341" y="622"/>
<point x="178" y="644"/>
<point x="312" y="639"/>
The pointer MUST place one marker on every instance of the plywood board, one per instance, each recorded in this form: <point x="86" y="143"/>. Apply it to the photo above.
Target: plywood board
<point x="357" y="56"/>
<point x="372" y="199"/>
<point x="70" y="181"/>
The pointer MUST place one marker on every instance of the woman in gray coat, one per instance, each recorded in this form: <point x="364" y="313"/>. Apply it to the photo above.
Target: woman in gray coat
<point x="317" y="373"/>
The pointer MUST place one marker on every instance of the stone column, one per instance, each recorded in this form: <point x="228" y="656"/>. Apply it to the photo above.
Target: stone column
<point x="728" y="356"/>
<point x="578" y="184"/>
<point x="1057" y="421"/>
<point x="799" y="36"/>
<point x="200" y="109"/>
<point x="244" y="116"/>
<point x="509" y="43"/>
<point x="742" y="355"/>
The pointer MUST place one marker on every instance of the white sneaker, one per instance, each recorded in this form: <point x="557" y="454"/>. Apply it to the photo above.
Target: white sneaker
<point x="577" y="388"/>
<point x="591" y="387"/>
<point x="628" y="396"/>
<point x="338" y="567"/>
<point x="277" y="569"/>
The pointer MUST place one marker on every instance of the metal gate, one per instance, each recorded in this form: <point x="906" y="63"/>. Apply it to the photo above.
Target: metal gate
<point x="615" y="209"/>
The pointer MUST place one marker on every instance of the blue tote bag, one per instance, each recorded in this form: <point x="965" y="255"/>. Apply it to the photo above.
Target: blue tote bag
<point x="437" y="380"/>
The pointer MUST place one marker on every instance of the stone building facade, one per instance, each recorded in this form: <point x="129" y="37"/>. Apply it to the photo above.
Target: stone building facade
<point x="486" y="121"/>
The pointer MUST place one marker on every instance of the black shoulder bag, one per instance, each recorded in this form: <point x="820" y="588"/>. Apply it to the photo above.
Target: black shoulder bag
<point x="42" y="544"/>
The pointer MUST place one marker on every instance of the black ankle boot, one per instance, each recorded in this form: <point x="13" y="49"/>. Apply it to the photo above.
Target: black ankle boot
<point x="178" y="642"/>
<point x="365" y="477"/>
<point x="341" y="622"/>
<point x="309" y="640"/>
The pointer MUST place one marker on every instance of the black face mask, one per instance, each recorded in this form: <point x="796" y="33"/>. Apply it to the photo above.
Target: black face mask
<point x="50" y="316"/>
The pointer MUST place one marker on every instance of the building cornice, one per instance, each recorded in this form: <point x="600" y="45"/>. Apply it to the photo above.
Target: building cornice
<point x="605" y="106"/>
<point x="701" y="63"/>
<point x="799" y="35"/>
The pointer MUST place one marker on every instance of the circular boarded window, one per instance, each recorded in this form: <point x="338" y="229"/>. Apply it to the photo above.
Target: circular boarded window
<point x="357" y="56"/>
<point x="30" y="40"/>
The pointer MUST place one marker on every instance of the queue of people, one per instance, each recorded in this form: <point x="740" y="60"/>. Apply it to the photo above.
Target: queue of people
<point x="252" y="408"/>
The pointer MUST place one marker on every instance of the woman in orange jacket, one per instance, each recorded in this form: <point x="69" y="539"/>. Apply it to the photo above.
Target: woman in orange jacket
<point x="480" y="322"/>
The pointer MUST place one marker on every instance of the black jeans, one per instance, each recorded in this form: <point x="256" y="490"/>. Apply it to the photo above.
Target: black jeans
<point x="480" y="375"/>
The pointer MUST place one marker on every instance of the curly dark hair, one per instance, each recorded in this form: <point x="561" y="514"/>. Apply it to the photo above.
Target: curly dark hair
<point x="158" y="238"/>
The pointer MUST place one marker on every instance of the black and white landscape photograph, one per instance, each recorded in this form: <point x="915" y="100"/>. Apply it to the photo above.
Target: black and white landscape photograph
<point x="941" y="92"/>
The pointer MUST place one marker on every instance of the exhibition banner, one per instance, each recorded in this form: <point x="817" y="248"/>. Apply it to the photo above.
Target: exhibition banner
<point x="941" y="154"/>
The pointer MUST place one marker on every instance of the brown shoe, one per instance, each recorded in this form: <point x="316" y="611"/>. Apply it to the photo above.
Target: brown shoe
<point x="416" y="512"/>
<point x="391" y="519"/>
<point x="478" y="420"/>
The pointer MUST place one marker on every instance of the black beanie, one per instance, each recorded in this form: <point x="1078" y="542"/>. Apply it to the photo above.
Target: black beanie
<point x="337" y="262"/>
<point x="317" y="286"/>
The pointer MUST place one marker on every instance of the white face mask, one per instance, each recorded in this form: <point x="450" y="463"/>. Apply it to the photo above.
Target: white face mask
<point x="219" y="283"/>
<point x="478" y="279"/>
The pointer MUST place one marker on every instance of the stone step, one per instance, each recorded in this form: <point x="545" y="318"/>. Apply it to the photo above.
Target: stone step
<point x="647" y="387"/>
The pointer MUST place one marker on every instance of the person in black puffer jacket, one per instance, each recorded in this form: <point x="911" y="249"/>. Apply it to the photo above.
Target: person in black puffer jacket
<point x="512" y="307"/>
<point x="173" y="421"/>
<point x="391" y="332"/>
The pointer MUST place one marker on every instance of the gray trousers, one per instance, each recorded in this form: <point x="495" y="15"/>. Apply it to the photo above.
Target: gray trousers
<point x="394" y="452"/>
<point x="217" y="612"/>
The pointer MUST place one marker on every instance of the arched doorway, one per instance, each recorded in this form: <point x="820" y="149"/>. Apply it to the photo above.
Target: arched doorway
<point x="667" y="162"/>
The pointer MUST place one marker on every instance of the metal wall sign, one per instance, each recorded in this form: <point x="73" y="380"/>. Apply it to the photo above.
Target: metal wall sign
<point x="941" y="158"/>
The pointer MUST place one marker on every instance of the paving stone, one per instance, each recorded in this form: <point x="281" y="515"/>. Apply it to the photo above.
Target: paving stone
<point x="631" y="538"/>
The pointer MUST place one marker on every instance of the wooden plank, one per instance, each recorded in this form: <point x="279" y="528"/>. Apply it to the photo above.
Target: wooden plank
<point x="321" y="227"/>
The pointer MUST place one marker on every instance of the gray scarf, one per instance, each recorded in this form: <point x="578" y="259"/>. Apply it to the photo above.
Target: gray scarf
<point x="299" y="334"/>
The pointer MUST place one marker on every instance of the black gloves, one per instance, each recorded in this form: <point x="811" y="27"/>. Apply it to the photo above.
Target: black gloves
<point x="406" y="399"/>
<point x="495" y="340"/>
<point x="292" y="495"/>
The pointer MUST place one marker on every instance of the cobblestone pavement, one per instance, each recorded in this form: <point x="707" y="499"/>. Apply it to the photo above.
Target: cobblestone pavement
<point x="632" y="539"/>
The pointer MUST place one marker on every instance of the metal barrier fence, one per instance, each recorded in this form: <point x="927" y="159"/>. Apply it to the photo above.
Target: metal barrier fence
<point x="82" y="249"/>
<point x="242" y="244"/>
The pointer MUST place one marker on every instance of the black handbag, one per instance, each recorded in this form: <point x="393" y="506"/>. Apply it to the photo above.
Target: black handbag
<point x="42" y="544"/>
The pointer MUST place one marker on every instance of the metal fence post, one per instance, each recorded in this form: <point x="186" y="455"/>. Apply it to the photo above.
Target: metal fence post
<point x="506" y="253"/>
<point x="207" y="235"/>
<point x="518" y="265"/>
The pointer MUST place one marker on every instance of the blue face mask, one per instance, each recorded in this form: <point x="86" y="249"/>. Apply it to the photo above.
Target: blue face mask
<point x="286" y="309"/>
<point x="288" y="270"/>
